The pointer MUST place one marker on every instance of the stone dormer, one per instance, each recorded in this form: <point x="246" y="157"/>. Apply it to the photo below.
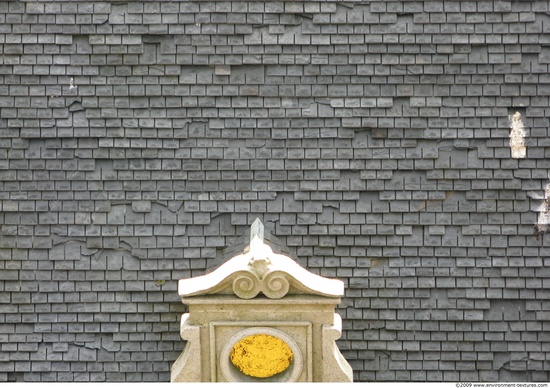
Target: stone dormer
<point x="261" y="317"/>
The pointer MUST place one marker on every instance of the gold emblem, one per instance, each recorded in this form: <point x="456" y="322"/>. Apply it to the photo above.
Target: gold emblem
<point x="261" y="355"/>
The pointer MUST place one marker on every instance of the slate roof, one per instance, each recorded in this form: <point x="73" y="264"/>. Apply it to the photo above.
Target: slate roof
<point x="138" y="139"/>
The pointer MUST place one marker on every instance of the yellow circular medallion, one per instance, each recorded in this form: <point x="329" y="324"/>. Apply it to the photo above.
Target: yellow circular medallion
<point x="261" y="355"/>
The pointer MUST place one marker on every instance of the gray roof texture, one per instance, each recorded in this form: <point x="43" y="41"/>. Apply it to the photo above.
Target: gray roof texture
<point x="138" y="140"/>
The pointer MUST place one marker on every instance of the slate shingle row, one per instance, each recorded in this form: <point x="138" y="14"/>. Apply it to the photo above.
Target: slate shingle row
<point x="139" y="139"/>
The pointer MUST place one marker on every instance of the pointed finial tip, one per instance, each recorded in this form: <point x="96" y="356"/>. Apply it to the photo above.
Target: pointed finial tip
<point x="257" y="230"/>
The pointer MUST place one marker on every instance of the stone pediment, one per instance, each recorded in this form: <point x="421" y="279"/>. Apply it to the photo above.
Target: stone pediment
<point x="260" y="271"/>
